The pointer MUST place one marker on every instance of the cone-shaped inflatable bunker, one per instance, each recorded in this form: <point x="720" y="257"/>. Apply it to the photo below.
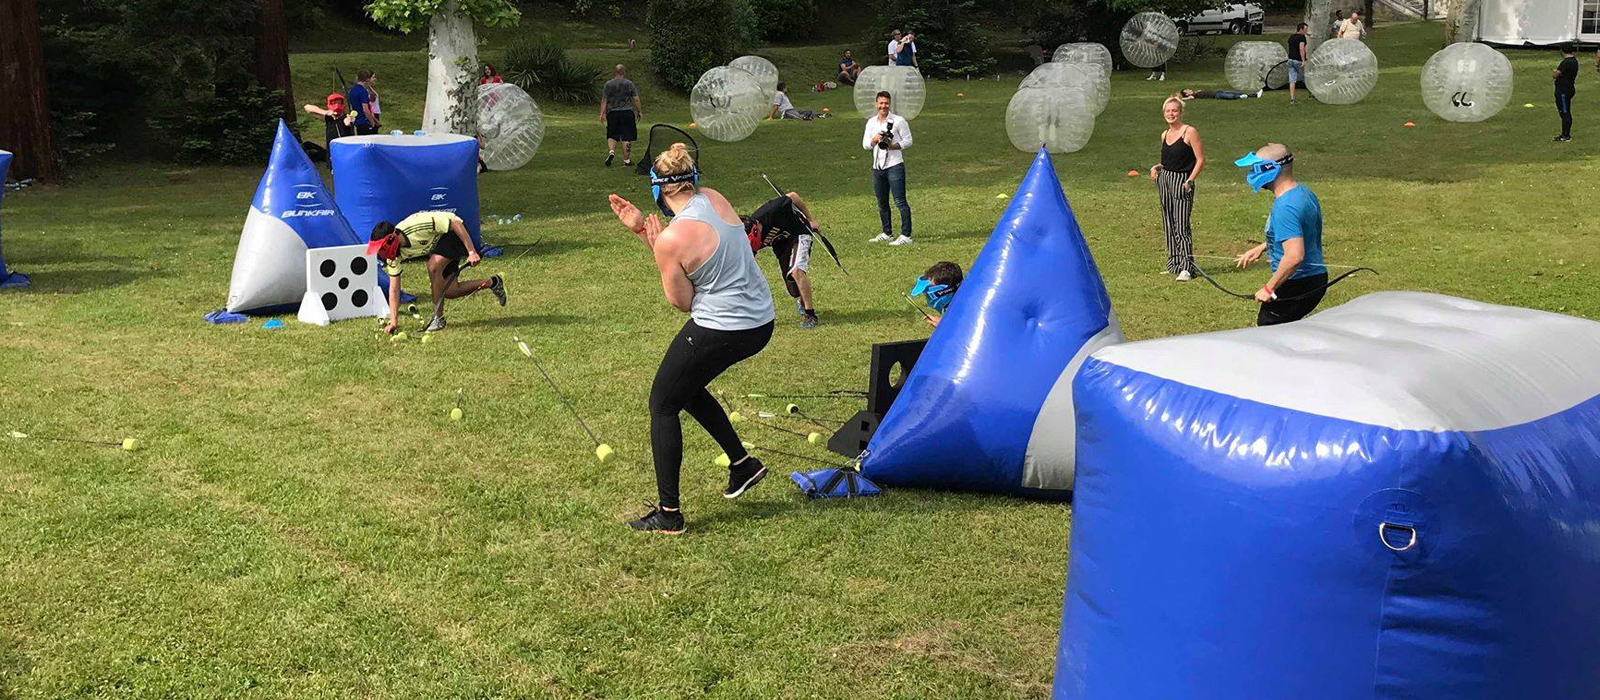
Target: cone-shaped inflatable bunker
<point x="988" y="405"/>
<point x="291" y="212"/>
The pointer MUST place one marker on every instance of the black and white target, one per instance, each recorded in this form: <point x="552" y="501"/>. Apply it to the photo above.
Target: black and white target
<point x="341" y="283"/>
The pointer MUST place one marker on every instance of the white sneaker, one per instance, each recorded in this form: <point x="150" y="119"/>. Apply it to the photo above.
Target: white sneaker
<point x="1152" y="77"/>
<point x="1183" y="277"/>
<point x="880" y="238"/>
<point x="903" y="240"/>
<point x="1259" y="92"/>
<point x="1162" y="79"/>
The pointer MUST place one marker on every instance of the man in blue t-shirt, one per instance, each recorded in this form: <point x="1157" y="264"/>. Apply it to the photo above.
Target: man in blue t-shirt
<point x="1293" y="238"/>
<point x="361" y="103"/>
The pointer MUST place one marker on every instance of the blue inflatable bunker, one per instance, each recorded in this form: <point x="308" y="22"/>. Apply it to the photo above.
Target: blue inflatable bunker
<point x="988" y="405"/>
<point x="392" y="176"/>
<point x="7" y="277"/>
<point x="290" y="213"/>
<point x="1394" y="498"/>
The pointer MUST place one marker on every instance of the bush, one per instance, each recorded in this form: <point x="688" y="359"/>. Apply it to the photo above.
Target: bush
<point x="781" y="20"/>
<point x="234" y="126"/>
<point x="949" y="40"/>
<point x="687" y="37"/>
<point x="540" y="65"/>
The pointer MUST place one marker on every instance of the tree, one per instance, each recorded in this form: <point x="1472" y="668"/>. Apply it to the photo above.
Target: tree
<point x="24" y="111"/>
<point x="1461" y="20"/>
<point x="1319" y="23"/>
<point x="452" y="104"/>
<point x="272" y="57"/>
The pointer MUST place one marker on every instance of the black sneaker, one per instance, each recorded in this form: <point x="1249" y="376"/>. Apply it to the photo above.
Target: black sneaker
<point x="666" y="522"/>
<point x="1562" y="139"/>
<point x="611" y="156"/>
<point x="744" y="476"/>
<point x="497" y="286"/>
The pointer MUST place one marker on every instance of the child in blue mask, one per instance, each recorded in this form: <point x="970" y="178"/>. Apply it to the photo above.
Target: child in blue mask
<point x="937" y="287"/>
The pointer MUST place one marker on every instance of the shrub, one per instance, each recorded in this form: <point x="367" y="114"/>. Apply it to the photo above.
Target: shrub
<point x="233" y="126"/>
<point x="541" y="66"/>
<point x="780" y="20"/>
<point x="949" y="40"/>
<point x="687" y="37"/>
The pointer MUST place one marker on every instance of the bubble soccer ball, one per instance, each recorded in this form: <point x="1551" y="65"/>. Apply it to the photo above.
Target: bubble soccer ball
<point x="727" y="103"/>
<point x="907" y="91"/>
<point x="765" y="73"/>
<point x="1149" y="39"/>
<point x="1466" y="82"/>
<point x="1250" y="63"/>
<point x="1058" y="118"/>
<point x="510" y="126"/>
<point x="1096" y="59"/>
<point x="1077" y="77"/>
<point x="1341" y="72"/>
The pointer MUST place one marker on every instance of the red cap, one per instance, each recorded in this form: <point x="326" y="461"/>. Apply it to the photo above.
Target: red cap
<point x="335" y="97"/>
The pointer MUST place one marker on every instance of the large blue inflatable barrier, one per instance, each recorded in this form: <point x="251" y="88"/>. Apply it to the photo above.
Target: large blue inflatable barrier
<point x="988" y="405"/>
<point x="1394" y="498"/>
<point x="290" y="213"/>
<point x="8" y="279"/>
<point x="392" y="176"/>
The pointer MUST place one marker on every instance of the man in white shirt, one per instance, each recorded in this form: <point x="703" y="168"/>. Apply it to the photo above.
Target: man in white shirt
<point x="886" y="137"/>
<point x="894" y="48"/>
<point x="1351" y="28"/>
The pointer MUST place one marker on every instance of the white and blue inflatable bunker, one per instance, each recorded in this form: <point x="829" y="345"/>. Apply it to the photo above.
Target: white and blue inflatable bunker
<point x="7" y="277"/>
<point x="392" y="176"/>
<point x="291" y="213"/>
<point x="988" y="405"/>
<point x="1394" y="498"/>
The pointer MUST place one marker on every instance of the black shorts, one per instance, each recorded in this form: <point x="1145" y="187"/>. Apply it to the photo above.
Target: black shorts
<point x="365" y="129"/>
<point x="621" y="126"/>
<point x="1275" y="312"/>
<point x="449" y="246"/>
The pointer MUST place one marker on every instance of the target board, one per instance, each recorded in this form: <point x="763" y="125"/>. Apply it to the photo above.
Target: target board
<point x="341" y="283"/>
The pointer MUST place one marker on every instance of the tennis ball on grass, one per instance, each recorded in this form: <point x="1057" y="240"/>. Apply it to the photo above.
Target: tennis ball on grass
<point x="722" y="461"/>
<point x="603" y="453"/>
<point x="814" y="438"/>
<point x="397" y="337"/>
<point x="736" y="417"/>
<point x="130" y="444"/>
<point x="455" y="413"/>
<point x="426" y="338"/>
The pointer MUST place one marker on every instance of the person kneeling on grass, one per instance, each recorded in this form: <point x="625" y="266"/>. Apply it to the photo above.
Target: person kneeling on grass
<point x="937" y="287"/>
<point x="785" y="225"/>
<point x="442" y="240"/>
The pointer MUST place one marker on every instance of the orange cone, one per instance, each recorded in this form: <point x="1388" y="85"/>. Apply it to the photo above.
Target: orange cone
<point x="1133" y="173"/>
<point x="1411" y="123"/>
<point x="961" y="94"/>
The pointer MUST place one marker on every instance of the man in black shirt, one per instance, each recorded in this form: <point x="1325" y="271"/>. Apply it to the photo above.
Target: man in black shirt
<point x="1297" y="58"/>
<point x="1566" y="76"/>
<point x="785" y="225"/>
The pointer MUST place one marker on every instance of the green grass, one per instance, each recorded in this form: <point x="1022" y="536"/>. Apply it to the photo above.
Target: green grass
<point x="306" y="522"/>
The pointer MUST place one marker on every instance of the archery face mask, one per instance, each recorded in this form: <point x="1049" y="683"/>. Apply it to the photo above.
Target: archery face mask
<point x="937" y="296"/>
<point x="656" y="181"/>
<point x="1261" y="172"/>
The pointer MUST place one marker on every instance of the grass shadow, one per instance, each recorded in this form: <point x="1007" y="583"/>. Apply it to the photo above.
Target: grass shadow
<point x="525" y="320"/>
<point x="83" y="281"/>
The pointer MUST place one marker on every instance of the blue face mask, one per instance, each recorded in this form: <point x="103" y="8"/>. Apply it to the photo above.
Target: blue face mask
<point x="937" y="296"/>
<point x="1261" y="171"/>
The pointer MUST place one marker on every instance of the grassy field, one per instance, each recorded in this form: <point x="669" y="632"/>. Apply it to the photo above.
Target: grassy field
<point x="305" y="521"/>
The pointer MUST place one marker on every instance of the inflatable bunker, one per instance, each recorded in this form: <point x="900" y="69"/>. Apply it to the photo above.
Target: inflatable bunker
<point x="988" y="404"/>
<point x="1394" y="498"/>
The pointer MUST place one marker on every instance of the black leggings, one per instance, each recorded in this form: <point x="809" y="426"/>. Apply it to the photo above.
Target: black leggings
<point x="693" y="359"/>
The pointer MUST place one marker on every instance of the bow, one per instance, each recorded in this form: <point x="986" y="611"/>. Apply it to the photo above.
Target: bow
<point x="1296" y="297"/>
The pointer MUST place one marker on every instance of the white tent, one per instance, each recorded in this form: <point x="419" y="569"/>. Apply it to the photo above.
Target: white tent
<point x="1538" y="22"/>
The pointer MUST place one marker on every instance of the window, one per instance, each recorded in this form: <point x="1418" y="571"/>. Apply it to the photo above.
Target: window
<point x="1590" y="22"/>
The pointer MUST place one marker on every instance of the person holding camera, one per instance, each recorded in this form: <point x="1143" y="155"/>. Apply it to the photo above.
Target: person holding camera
<point x="887" y="136"/>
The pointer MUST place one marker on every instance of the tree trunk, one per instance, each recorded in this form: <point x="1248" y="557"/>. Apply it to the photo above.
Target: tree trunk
<point x="452" y="105"/>
<point x="1461" y="21"/>
<point x="24" y="111"/>
<point x="1368" y="14"/>
<point x="1319" y="23"/>
<point x="272" y="58"/>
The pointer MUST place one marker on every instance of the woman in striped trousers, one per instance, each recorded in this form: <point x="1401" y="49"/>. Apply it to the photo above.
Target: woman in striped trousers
<point x="1182" y="158"/>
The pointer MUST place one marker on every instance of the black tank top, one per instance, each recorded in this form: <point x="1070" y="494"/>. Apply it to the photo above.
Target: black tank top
<point x="1177" y="157"/>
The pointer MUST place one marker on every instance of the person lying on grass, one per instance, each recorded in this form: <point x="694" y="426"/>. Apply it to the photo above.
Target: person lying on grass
<point x="441" y="239"/>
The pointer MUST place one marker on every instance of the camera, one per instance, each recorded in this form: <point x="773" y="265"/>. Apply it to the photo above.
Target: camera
<point x="887" y="137"/>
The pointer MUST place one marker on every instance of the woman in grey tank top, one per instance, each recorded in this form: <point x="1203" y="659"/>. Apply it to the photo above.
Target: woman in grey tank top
<point x="707" y="270"/>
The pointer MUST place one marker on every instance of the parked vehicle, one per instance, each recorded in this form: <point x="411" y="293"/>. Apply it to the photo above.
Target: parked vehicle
<point x="1233" y="18"/>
